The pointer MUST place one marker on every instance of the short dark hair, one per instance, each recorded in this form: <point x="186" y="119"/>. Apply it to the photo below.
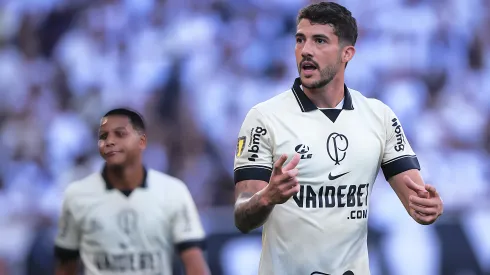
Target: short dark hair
<point x="134" y="117"/>
<point x="339" y="17"/>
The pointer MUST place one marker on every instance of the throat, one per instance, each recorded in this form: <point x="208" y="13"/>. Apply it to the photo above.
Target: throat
<point x="330" y="96"/>
<point x="125" y="179"/>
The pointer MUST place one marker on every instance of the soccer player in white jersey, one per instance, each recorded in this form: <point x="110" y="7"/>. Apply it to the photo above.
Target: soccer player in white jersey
<point x="314" y="207"/>
<point x="128" y="219"/>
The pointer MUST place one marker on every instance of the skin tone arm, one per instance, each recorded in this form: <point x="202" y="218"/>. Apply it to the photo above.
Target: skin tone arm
<point x="251" y="208"/>
<point x="421" y="200"/>
<point x="255" y="199"/>
<point x="194" y="262"/>
<point x="69" y="267"/>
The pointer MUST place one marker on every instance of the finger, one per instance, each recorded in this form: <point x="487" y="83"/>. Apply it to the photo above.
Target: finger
<point x="288" y="176"/>
<point x="419" y="189"/>
<point x="423" y="201"/>
<point x="277" y="170"/>
<point x="293" y="163"/>
<point x="423" y="210"/>
<point x="293" y="190"/>
<point x="423" y="219"/>
<point x="432" y="190"/>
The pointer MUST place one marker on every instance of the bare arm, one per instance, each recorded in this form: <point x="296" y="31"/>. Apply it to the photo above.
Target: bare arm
<point x="69" y="267"/>
<point x="194" y="262"/>
<point x="251" y="208"/>
<point x="255" y="199"/>
<point x="401" y="189"/>
<point x="421" y="200"/>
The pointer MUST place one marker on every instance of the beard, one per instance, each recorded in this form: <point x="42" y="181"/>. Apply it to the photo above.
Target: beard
<point x="326" y="75"/>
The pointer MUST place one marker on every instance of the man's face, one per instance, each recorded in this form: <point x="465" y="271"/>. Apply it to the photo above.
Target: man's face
<point x="119" y="143"/>
<point x="318" y="54"/>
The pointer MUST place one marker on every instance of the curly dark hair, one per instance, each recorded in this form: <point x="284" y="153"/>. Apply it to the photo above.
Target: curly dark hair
<point x="339" y="17"/>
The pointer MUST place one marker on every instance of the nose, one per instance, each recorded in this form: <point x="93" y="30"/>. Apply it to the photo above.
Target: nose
<point x="109" y="141"/>
<point x="307" y="51"/>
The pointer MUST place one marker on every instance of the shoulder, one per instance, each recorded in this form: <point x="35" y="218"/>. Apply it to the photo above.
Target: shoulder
<point x="275" y="104"/>
<point x="373" y="105"/>
<point x="90" y="184"/>
<point x="162" y="182"/>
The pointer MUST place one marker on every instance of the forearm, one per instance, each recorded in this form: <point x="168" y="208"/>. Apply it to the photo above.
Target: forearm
<point x="194" y="262"/>
<point x="67" y="268"/>
<point x="196" y="269"/>
<point x="251" y="211"/>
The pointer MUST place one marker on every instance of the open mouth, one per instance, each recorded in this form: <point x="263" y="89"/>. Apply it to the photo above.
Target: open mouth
<point x="308" y="66"/>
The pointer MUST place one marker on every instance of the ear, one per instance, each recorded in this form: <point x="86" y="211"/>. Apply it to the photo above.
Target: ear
<point x="142" y="143"/>
<point x="348" y="53"/>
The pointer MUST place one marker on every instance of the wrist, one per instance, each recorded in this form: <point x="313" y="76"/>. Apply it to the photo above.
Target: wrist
<point x="264" y="199"/>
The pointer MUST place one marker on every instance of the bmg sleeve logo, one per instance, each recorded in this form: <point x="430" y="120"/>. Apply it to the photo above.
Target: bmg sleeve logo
<point x="400" y="138"/>
<point x="254" y="143"/>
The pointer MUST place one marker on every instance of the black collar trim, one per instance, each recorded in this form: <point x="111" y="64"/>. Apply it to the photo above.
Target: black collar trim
<point x="307" y="105"/>
<point x="110" y="186"/>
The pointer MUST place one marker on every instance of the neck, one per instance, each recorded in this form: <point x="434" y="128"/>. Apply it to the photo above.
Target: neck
<point x="328" y="96"/>
<point x="125" y="177"/>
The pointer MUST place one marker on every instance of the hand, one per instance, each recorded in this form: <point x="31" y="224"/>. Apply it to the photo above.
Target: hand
<point x="283" y="183"/>
<point x="427" y="206"/>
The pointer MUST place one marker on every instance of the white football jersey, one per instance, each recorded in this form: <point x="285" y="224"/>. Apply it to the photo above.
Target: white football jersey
<point x="133" y="233"/>
<point x="323" y="228"/>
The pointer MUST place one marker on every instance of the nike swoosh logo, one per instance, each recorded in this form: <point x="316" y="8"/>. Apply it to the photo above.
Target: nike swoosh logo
<point x="330" y="177"/>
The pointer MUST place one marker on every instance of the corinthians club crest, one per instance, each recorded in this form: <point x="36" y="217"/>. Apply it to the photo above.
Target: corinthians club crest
<point x="337" y="145"/>
<point x="127" y="220"/>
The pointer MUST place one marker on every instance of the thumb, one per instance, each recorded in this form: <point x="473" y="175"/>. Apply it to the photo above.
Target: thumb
<point x="432" y="190"/>
<point x="417" y="188"/>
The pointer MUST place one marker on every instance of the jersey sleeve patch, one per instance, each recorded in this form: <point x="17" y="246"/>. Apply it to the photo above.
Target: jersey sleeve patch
<point x="182" y="246"/>
<point x="399" y="165"/>
<point x="64" y="254"/>
<point x="252" y="172"/>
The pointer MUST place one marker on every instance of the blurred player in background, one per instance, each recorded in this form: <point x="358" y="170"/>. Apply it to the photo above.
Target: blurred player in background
<point x="128" y="219"/>
<point x="314" y="208"/>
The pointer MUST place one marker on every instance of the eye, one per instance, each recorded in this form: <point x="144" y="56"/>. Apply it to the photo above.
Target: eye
<point x="299" y="40"/>
<point x="320" y="41"/>
<point x="102" y="136"/>
<point x="120" y="134"/>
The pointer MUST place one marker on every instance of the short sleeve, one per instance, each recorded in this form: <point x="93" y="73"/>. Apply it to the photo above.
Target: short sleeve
<point x="187" y="228"/>
<point x="253" y="155"/>
<point x="398" y="155"/>
<point x="68" y="237"/>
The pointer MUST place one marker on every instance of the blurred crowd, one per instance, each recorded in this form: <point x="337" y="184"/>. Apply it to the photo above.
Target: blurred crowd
<point x="194" y="68"/>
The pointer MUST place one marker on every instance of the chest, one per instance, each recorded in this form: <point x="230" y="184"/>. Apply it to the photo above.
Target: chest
<point x="351" y="145"/>
<point x="113" y="221"/>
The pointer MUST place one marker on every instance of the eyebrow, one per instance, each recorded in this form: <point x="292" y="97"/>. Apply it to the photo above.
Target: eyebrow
<point x="115" y="129"/>
<point x="299" y="34"/>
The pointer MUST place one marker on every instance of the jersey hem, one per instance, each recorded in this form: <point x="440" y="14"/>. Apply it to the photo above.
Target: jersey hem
<point x="182" y="246"/>
<point x="65" y="254"/>
<point x="399" y="165"/>
<point x="252" y="172"/>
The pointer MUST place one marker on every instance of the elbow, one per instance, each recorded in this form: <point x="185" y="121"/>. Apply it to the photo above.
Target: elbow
<point x="241" y="227"/>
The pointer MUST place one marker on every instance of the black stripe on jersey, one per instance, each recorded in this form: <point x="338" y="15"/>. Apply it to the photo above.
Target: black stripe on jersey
<point x="252" y="172"/>
<point x="64" y="254"/>
<point x="181" y="247"/>
<point x="400" y="164"/>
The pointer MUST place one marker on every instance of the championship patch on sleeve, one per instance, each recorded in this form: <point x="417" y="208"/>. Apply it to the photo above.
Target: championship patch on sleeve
<point x="240" y="145"/>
